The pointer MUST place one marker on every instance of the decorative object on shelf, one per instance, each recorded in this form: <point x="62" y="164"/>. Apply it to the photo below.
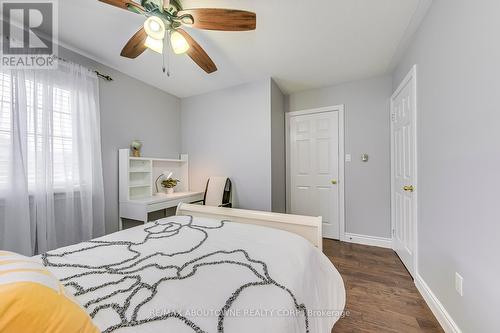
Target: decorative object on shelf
<point x="170" y="184"/>
<point x="135" y="148"/>
<point x="164" y="174"/>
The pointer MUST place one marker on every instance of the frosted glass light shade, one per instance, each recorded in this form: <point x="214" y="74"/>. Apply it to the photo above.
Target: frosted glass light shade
<point x="154" y="44"/>
<point x="179" y="43"/>
<point x="155" y="28"/>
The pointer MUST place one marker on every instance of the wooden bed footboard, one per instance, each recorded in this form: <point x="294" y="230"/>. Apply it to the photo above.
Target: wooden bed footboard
<point x="306" y="226"/>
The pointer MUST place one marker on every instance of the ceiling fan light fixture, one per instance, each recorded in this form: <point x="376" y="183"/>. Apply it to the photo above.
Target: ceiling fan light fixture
<point x="154" y="44"/>
<point x="163" y="25"/>
<point x="155" y="27"/>
<point x="179" y="44"/>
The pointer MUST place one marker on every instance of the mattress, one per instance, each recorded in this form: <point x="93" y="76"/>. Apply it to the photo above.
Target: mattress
<point x="184" y="274"/>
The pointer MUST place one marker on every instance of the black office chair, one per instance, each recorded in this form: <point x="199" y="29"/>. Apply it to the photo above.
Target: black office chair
<point x="217" y="192"/>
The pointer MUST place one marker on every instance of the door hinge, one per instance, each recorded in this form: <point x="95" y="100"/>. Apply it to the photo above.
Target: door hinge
<point x="393" y="232"/>
<point x="393" y="117"/>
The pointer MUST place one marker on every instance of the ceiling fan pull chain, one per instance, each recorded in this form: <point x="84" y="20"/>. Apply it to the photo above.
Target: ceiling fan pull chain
<point x="166" y="53"/>
<point x="163" y="65"/>
<point x="163" y="58"/>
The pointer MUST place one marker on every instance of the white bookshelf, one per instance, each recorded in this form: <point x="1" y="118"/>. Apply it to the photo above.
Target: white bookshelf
<point x="138" y="175"/>
<point x="138" y="196"/>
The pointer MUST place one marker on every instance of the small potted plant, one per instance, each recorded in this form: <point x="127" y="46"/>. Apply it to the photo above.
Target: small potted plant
<point x="135" y="148"/>
<point x="170" y="184"/>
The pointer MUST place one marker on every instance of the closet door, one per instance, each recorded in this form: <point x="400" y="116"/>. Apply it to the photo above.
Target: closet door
<point x="314" y="168"/>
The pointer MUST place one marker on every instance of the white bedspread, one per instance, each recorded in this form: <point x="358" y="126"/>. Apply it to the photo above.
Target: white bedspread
<point x="201" y="275"/>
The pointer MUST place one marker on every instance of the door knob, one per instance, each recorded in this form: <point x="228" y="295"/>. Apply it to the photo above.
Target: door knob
<point x="409" y="188"/>
<point x="334" y="182"/>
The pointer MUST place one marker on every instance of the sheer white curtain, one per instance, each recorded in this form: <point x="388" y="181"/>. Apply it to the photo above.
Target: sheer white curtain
<point x="51" y="187"/>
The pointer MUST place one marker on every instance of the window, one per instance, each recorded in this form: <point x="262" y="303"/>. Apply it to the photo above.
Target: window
<point x="49" y="129"/>
<point x="5" y="126"/>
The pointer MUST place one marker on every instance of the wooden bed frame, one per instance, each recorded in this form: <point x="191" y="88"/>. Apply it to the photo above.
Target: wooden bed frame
<point x="306" y="226"/>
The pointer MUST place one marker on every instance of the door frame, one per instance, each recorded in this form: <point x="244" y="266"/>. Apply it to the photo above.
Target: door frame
<point x="411" y="76"/>
<point x="341" y="181"/>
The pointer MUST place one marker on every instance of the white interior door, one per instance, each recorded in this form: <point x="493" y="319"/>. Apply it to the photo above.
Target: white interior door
<point x="403" y="142"/>
<point x="314" y="168"/>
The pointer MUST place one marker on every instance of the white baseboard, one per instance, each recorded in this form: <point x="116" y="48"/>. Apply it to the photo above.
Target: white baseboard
<point x="439" y="311"/>
<point x="368" y="240"/>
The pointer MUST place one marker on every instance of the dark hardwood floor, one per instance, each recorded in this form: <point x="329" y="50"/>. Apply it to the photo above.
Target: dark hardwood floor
<point x="381" y="296"/>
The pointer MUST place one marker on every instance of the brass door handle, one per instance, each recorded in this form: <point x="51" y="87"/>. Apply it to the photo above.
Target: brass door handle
<point x="409" y="188"/>
<point x="334" y="182"/>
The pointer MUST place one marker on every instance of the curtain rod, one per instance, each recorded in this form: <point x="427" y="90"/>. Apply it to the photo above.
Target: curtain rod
<point x="104" y="77"/>
<point x="99" y="74"/>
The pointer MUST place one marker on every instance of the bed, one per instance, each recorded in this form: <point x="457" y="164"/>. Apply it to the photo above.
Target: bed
<point x="206" y="270"/>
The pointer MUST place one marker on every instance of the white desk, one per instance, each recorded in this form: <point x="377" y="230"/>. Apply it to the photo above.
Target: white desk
<point x="138" y="184"/>
<point x="138" y="209"/>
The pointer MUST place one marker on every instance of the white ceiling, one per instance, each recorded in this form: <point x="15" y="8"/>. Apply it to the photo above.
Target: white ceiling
<point x="301" y="44"/>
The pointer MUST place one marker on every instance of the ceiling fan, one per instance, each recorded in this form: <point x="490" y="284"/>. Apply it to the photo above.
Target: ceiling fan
<point x="165" y="19"/>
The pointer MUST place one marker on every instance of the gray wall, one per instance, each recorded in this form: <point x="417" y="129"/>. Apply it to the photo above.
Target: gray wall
<point x="367" y="185"/>
<point x="458" y="57"/>
<point x="228" y="133"/>
<point x="131" y="109"/>
<point x="278" y="149"/>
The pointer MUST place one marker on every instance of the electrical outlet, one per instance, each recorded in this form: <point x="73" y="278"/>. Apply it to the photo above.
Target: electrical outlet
<point x="459" y="284"/>
<point x="348" y="158"/>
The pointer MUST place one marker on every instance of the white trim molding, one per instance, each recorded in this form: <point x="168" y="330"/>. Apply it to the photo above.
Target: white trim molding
<point x="439" y="311"/>
<point x="368" y="240"/>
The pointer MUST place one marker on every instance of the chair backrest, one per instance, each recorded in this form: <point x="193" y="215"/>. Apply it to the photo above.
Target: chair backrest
<point x="218" y="191"/>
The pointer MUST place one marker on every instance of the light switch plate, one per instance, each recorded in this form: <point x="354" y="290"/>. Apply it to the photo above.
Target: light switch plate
<point x="348" y="158"/>
<point x="459" y="284"/>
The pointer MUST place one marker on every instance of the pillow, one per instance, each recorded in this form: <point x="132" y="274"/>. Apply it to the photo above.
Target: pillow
<point x="32" y="300"/>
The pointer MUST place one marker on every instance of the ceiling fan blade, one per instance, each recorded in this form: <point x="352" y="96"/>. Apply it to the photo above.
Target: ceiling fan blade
<point x="135" y="46"/>
<point x="124" y="4"/>
<point x="220" y="19"/>
<point x="199" y="56"/>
